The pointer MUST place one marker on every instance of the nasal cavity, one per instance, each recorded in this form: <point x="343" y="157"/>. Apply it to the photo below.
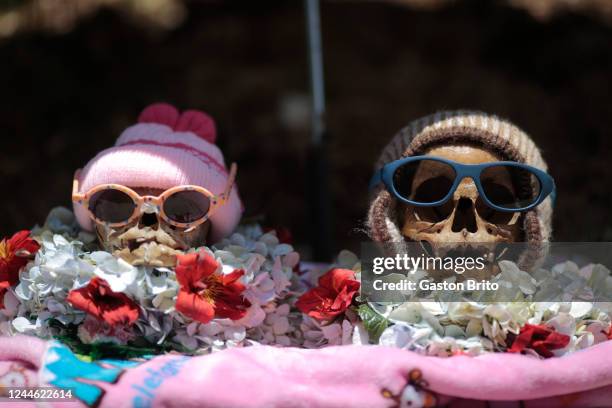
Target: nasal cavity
<point x="148" y="219"/>
<point x="465" y="216"/>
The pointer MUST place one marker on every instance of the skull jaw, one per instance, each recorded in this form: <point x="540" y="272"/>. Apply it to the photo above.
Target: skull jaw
<point x="150" y="246"/>
<point x="488" y="240"/>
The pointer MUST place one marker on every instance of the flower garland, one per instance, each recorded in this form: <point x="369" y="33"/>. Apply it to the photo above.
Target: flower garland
<point x="530" y="325"/>
<point x="249" y="290"/>
<point x="210" y="301"/>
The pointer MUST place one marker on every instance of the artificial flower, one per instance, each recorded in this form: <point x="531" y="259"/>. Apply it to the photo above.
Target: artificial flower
<point x="14" y="255"/>
<point x="66" y="261"/>
<point x="93" y="330"/>
<point x="540" y="338"/>
<point x="119" y="274"/>
<point x="4" y="285"/>
<point x="98" y="300"/>
<point x="59" y="266"/>
<point x="204" y="293"/>
<point x="283" y="233"/>
<point x="450" y="346"/>
<point x="317" y="335"/>
<point x="276" y="327"/>
<point x="332" y="297"/>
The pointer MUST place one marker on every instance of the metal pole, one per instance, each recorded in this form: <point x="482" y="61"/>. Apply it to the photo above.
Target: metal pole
<point x="318" y="170"/>
<point x="316" y="71"/>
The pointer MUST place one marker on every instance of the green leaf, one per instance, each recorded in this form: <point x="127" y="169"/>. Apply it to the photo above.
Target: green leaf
<point x="373" y="322"/>
<point x="98" y="351"/>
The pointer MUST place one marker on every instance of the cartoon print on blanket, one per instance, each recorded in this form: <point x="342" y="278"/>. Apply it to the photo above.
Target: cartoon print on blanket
<point x="281" y="377"/>
<point x="16" y="375"/>
<point x="415" y="394"/>
<point x="63" y="369"/>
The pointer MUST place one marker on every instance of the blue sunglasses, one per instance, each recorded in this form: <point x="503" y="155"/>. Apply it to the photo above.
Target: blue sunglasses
<point x="530" y="186"/>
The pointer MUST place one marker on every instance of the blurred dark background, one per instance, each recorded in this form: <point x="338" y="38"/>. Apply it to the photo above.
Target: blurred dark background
<point x="74" y="73"/>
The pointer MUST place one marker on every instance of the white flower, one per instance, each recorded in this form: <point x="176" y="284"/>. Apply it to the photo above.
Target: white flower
<point x="11" y="304"/>
<point x="433" y="326"/>
<point x="115" y="271"/>
<point x="164" y="301"/>
<point x="408" y="312"/>
<point x="360" y="335"/>
<point x="56" y="270"/>
<point x="483" y="326"/>
<point x="580" y="309"/>
<point x="449" y="346"/>
<point x="317" y="335"/>
<point x="276" y="328"/>
<point x="253" y="317"/>
<point x="38" y="328"/>
<point x="400" y="335"/>
<point x="513" y="279"/>
<point x="348" y="260"/>
<point x="189" y="342"/>
<point x="23" y="325"/>
<point x="279" y="277"/>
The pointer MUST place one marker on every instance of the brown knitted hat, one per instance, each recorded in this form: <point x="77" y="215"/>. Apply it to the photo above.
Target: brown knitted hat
<point x="492" y="133"/>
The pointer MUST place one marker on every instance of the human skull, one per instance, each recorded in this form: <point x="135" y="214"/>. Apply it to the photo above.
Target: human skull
<point x="150" y="240"/>
<point x="465" y="219"/>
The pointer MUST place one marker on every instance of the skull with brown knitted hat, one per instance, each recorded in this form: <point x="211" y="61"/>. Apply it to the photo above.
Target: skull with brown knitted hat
<point x="470" y="138"/>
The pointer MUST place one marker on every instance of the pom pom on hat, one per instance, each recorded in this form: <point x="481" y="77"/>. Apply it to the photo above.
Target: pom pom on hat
<point x="193" y="121"/>
<point x="161" y="113"/>
<point x="199" y="123"/>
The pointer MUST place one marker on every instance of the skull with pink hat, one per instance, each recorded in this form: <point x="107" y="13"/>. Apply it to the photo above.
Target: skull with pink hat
<point x="162" y="188"/>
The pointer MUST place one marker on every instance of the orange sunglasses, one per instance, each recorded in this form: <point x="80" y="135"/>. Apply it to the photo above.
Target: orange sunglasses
<point x="185" y="206"/>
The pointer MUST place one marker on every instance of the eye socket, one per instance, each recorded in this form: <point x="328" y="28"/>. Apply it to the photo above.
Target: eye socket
<point x="111" y="205"/>
<point x="186" y="206"/>
<point x="497" y="193"/>
<point x="439" y="178"/>
<point x="492" y="215"/>
<point x="498" y="181"/>
<point x="433" y="189"/>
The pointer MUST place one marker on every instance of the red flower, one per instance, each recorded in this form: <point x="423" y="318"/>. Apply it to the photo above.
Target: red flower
<point x="332" y="297"/>
<point x="204" y="294"/>
<point x="14" y="255"/>
<point x="540" y="338"/>
<point x="282" y="233"/>
<point x="100" y="301"/>
<point x="4" y="285"/>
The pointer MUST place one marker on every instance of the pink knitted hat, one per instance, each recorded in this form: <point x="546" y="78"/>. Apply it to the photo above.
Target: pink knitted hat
<point x="165" y="149"/>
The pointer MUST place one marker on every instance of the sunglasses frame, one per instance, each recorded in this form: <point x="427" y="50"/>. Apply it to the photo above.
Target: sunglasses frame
<point x="473" y="171"/>
<point x="216" y="201"/>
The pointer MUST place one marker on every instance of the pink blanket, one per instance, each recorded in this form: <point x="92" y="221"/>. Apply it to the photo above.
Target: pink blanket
<point x="346" y="376"/>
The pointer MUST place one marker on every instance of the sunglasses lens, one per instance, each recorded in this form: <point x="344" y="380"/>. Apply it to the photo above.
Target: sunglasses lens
<point x="112" y="206"/>
<point x="510" y="187"/>
<point x="186" y="206"/>
<point x="424" y="181"/>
